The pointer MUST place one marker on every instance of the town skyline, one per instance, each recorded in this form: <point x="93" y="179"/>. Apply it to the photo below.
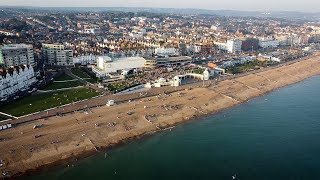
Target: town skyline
<point x="243" y="5"/>
<point x="79" y="78"/>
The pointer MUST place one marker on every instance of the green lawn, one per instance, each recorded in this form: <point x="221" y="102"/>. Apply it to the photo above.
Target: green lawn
<point x="40" y="102"/>
<point x="116" y="87"/>
<point x="248" y="66"/>
<point x="80" y="73"/>
<point x="64" y="78"/>
<point x="60" y="85"/>
<point x="198" y="71"/>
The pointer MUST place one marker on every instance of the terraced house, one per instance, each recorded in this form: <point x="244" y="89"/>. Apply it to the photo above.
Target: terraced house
<point x="15" y="79"/>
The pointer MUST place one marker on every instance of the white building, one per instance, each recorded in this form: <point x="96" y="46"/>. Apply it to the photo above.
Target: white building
<point x="194" y="48"/>
<point x="84" y="60"/>
<point x="234" y="46"/>
<point x="16" y="54"/>
<point x="288" y="40"/>
<point x="216" y="28"/>
<point x="268" y="42"/>
<point x="222" y="46"/>
<point x="233" y="62"/>
<point x="55" y="54"/>
<point x="177" y="80"/>
<point x="136" y="35"/>
<point x="16" y="79"/>
<point x="106" y="65"/>
<point x="164" y="51"/>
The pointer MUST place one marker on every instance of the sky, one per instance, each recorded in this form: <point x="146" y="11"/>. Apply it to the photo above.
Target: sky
<point x="261" y="5"/>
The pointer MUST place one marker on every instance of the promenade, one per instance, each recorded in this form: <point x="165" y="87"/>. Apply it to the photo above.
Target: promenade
<point x="89" y="126"/>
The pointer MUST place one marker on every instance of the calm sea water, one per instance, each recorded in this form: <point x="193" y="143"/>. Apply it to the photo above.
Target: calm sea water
<point x="271" y="137"/>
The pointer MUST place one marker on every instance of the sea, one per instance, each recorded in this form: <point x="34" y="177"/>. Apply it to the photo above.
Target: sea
<point x="275" y="136"/>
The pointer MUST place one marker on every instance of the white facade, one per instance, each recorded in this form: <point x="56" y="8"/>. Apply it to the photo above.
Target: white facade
<point x="194" y="48"/>
<point x="221" y="46"/>
<point x="288" y="40"/>
<point x="84" y="60"/>
<point x="216" y="28"/>
<point x="166" y="51"/>
<point x="20" y="79"/>
<point x="268" y="42"/>
<point x="136" y="35"/>
<point x="55" y="54"/>
<point x="234" y="46"/>
<point x="16" y="54"/>
<point x="233" y="62"/>
<point x="106" y="65"/>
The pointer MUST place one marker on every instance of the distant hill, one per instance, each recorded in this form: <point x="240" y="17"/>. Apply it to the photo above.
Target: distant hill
<point x="274" y="14"/>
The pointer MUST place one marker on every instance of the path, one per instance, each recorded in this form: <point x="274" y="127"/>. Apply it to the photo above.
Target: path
<point x="7" y="116"/>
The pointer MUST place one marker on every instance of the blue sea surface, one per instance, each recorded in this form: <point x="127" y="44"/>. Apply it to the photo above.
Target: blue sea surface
<point x="272" y="137"/>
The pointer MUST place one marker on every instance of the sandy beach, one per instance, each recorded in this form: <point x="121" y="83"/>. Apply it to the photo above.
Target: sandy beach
<point x="24" y="148"/>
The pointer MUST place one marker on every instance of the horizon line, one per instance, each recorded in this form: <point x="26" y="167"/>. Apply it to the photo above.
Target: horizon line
<point x="185" y="8"/>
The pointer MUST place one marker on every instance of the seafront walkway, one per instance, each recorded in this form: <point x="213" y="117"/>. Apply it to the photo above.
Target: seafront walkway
<point x="121" y="98"/>
<point x="2" y="114"/>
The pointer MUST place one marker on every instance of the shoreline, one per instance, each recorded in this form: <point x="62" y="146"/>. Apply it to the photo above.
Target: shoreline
<point x="81" y="135"/>
<point x="123" y="98"/>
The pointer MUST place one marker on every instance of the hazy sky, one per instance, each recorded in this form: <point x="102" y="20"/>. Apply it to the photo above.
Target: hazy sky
<point x="265" y="5"/>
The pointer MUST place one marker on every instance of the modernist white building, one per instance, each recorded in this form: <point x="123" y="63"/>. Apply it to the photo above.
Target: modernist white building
<point x="106" y="65"/>
<point x="16" y="79"/>
<point x="16" y="54"/>
<point x="55" y="54"/>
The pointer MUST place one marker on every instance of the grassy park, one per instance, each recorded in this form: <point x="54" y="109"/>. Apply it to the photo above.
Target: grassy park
<point x="40" y="102"/>
<point x="198" y="71"/>
<point x="78" y="72"/>
<point x="64" y="77"/>
<point x="60" y="85"/>
<point x="248" y="66"/>
<point x="82" y="74"/>
<point x="66" y="84"/>
<point x="116" y="87"/>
